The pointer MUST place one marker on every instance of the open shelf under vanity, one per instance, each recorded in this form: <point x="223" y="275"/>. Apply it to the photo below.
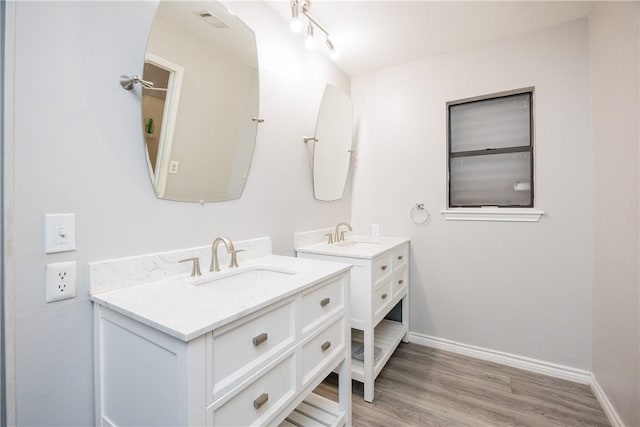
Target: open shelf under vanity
<point x="316" y="411"/>
<point x="387" y="336"/>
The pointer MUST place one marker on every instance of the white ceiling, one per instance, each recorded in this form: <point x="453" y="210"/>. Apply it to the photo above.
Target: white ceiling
<point x="371" y="35"/>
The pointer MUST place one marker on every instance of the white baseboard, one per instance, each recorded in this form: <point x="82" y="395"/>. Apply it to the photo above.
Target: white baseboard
<point x="524" y="363"/>
<point x="613" y="416"/>
<point x="520" y="362"/>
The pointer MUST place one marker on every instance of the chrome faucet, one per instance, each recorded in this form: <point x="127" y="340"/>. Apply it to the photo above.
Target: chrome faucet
<point x="339" y="235"/>
<point x="215" y="266"/>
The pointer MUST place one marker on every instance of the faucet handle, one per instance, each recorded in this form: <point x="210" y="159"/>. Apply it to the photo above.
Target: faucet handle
<point x="330" y="236"/>
<point x="342" y="235"/>
<point x="195" y="269"/>
<point x="234" y="258"/>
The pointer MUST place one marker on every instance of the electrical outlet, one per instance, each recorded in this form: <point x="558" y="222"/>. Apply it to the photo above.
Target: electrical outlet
<point x="375" y="230"/>
<point x="173" y="166"/>
<point x="61" y="281"/>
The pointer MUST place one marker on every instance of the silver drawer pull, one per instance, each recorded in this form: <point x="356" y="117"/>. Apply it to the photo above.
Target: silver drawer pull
<point x="384" y="267"/>
<point x="259" y="339"/>
<point x="400" y="257"/>
<point x="324" y="301"/>
<point x="325" y="346"/>
<point x="384" y="296"/>
<point x="260" y="400"/>
<point x="400" y="282"/>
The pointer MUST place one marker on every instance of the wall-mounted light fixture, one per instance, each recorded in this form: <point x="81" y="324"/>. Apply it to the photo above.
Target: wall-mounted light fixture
<point x="302" y="7"/>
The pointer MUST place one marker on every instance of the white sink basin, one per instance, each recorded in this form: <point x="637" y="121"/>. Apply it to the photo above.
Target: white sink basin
<point x="357" y="244"/>
<point x="363" y="247"/>
<point x="243" y="280"/>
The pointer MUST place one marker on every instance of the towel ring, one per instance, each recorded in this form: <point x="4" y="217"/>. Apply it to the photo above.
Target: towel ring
<point x="419" y="215"/>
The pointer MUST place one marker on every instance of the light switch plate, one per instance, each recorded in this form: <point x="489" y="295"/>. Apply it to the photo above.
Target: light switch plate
<point x="60" y="233"/>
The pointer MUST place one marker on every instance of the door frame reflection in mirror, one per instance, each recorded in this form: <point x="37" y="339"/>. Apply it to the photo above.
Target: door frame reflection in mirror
<point x="169" y="115"/>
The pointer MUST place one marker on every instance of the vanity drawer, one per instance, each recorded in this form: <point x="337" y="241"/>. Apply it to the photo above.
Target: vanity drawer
<point x="399" y="282"/>
<point x="381" y="298"/>
<point x="324" y="346"/>
<point x="320" y="303"/>
<point x="381" y="267"/>
<point x="399" y="256"/>
<point x="239" y="348"/>
<point x="260" y="400"/>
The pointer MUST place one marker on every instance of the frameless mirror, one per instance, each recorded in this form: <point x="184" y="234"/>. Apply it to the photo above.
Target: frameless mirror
<point x="200" y="116"/>
<point x="332" y="149"/>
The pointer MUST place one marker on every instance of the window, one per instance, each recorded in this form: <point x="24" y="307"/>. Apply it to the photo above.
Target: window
<point x="490" y="150"/>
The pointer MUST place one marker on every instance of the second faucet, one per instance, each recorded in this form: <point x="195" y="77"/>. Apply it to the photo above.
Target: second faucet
<point x="339" y="235"/>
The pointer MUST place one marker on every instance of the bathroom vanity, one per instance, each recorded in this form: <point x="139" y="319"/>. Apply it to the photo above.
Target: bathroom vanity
<point x="379" y="280"/>
<point x="243" y="346"/>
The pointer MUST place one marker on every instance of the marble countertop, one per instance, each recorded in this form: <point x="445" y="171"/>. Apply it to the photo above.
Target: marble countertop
<point x="366" y="247"/>
<point x="185" y="310"/>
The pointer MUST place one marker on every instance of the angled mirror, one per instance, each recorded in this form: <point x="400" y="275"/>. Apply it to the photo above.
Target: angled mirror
<point x="200" y="116"/>
<point x="332" y="149"/>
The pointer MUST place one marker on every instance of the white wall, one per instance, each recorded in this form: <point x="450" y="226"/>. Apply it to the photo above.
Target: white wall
<point x="521" y="288"/>
<point x="614" y="54"/>
<point x="79" y="148"/>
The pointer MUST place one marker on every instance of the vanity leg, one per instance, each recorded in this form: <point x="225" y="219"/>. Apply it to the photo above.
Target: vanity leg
<point x="368" y="364"/>
<point x="405" y="316"/>
<point x="344" y="388"/>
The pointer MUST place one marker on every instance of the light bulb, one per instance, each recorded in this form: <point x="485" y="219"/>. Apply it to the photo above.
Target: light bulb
<point x="310" y="42"/>
<point x="296" y="24"/>
<point x="333" y="53"/>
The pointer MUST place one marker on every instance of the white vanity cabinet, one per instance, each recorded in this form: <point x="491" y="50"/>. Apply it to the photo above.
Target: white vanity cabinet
<point x="258" y="367"/>
<point x="379" y="280"/>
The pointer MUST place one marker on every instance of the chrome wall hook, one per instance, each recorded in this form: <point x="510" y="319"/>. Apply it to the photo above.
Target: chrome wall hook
<point x="309" y="138"/>
<point x="257" y="119"/>
<point x="128" y="82"/>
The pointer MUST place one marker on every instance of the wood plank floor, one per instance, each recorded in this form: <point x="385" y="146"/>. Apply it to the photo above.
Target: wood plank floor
<point x="421" y="386"/>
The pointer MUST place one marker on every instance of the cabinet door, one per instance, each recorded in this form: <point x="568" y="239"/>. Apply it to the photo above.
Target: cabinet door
<point x="322" y="348"/>
<point x="381" y="267"/>
<point x="399" y="257"/>
<point x="320" y="303"/>
<point x="260" y="400"/>
<point x="382" y="298"/>
<point x="241" y="347"/>
<point x="399" y="282"/>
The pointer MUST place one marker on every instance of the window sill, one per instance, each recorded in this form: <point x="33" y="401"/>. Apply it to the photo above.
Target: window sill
<point x="492" y="214"/>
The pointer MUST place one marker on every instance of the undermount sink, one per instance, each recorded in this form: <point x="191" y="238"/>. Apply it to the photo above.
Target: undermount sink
<point x="357" y="243"/>
<point x="245" y="279"/>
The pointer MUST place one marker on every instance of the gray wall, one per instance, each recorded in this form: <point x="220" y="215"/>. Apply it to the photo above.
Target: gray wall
<point x="3" y="395"/>
<point x="520" y="288"/>
<point x="614" y="53"/>
<point x="79" y="148"/>
<point x="526" y="288"/>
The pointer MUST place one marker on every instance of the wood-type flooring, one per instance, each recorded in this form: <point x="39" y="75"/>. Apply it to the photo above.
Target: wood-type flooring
<point x="421" y="386"/>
